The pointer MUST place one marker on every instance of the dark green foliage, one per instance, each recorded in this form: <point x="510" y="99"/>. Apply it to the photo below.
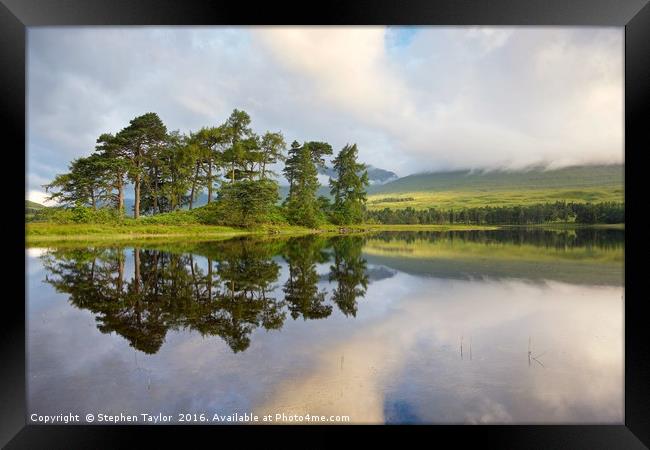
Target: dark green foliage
<point x="168" y="171"/>
<point x="584" y="213"/>
<point x="110" y="150"/>
<point x="302" y="295"/>
<point x="301" y="170"/>
<point x="247" y="202"/>
<point x="77" y="214"/>
<point x="349" y="187"/>
<point x="84" y="185"/>
<point x="349" y="272"/>
<point x="392" y="200"/>
<point x="142" y="141"/>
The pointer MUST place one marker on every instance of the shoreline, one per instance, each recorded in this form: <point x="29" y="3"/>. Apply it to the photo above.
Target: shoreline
<point x="48" y="233"/>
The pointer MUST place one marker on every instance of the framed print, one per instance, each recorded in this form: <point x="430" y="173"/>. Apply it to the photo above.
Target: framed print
<point x="377" y="218"/>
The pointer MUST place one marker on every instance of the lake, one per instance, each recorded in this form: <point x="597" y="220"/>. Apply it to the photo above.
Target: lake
<point x="504" y="326"/>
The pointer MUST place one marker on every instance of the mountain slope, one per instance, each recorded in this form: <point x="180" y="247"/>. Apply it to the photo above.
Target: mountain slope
<point x="376" y="176"/>
<point x="30" y="205"/>
<point x="568" y="177"/>
<point x="468" y="189"/>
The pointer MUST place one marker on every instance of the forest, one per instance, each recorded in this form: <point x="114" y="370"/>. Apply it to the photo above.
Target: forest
<point x="168" y="170"/>
<point x="562" y="212"/>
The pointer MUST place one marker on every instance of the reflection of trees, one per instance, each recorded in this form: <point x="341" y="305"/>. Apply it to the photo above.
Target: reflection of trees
<point x="238" y="298"/>
<point x="349" y="272"/>
<point x="301" y="289"/>
<point x="606" y="239"/>
<point x="171" y="291"/>
<point x="140" y="294"/>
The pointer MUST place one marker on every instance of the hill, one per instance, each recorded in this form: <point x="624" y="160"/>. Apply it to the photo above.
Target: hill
<point x="376" y="176"/>
<point x="30" y="205"/>
<point x="459" y="189"/>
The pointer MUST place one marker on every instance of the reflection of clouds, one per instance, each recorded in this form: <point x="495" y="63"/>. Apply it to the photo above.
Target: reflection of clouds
<point x="35" y="252"/>
<point x="488" y="411"/>
<point x="401" y="353"/>
<point x="581" y="381"/>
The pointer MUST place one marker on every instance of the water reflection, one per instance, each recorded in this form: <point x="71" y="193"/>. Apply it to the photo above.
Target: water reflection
<point x="370" y="327"/>
<point x="230" y="295"/>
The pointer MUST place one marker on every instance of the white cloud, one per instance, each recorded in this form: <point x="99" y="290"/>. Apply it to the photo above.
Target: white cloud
<point x="39" y="197"/>
<point x="448" y="97"/>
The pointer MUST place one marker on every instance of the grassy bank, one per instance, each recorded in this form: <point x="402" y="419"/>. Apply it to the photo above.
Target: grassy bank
<point x="51" y="233"/>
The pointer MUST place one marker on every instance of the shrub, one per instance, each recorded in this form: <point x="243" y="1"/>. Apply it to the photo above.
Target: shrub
<point x="77" y="214"/>
<point x="182" y="217"/>
<point x="246" y="202"/>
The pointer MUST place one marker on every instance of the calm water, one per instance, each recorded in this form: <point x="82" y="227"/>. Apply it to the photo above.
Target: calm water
<point x="416" y="327"/>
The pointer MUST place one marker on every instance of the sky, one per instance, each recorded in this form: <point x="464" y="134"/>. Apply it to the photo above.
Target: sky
<point x="413" y="99"/>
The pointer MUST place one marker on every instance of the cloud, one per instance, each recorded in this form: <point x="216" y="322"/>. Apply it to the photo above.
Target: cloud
<point x="39" y="197"/>
<point x="412" y="99"/>
<point x="476" y="98"/>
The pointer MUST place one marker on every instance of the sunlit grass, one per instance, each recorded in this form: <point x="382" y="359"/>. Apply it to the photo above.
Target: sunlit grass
<point x="39" y="233"/>
<point x="477" y="198"/>
<point x="43" y="232"/>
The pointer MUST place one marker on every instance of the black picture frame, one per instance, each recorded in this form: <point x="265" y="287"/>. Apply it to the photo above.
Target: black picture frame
<point x="634" y="15"/>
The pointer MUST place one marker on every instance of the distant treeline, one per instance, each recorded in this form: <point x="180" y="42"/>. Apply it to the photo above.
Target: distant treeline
<point x="584" y="213"/>
<point x="391" y="200"/>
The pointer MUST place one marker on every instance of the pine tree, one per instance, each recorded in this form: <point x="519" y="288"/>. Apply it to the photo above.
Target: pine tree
<point x="349" y="188"/>
<point x="143" y="139"/>
<point x="303" y="207"/>
<point x="85" y="184"/>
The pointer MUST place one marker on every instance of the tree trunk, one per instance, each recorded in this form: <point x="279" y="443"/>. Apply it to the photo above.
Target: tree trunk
<point x="94" y="202"/>
<point x="210" y="279"/>
<point x="136" y="207"/>
<point x="209" y="182"/>
<point x="136" y="262"/>
<point x="120" y="197"/>
<point x="155" y="190"/>
<point x="196" y="175"/>
<point x="196" y="288"/>
<point x="120" y="272"/>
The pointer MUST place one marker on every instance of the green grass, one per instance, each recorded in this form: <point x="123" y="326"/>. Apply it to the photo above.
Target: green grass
<point x="50" y="232"/>
<point x="469" y="199"/>
<point x="41" y="233"/>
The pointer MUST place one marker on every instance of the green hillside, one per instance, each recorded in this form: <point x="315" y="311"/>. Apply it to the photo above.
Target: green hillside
<point x="460" y="189"/>
<point x="32" y="208"/>
<point x="33" y="205"/>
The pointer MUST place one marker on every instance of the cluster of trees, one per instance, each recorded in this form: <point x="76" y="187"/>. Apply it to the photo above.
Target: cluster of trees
<point x="587" y="213"/>
<point x="169" y="170"/>
<point x="229" y="292"/>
